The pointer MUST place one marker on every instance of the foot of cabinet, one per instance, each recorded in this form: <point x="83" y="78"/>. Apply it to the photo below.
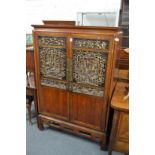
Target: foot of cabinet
<point x="40" y="124"/>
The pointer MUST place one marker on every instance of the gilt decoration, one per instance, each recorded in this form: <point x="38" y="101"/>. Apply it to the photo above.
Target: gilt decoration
<point x="55" y="41"/>
<point x="89" y="67"/>
<point x="85" y="73"/>
<point x="91" y="44"/>
<point x="53" y="62"/>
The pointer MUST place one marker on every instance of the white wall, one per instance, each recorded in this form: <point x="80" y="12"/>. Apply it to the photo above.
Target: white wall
<point x="38" y="10"/>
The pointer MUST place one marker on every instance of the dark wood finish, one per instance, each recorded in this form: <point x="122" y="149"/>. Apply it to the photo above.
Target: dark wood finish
<point x="76" y="129"/>
<point x="87" y="29"/>
<point x="80" y="105"/>
<point x="30" y="59"/>
<point x="30" y="71"/>
<point x="28" y="106"/>
<point x="123" y="60"/>
<point x="122" y="64"/>
<point x="53" y="102"/>
<point x="32" y="92"/>
<point x="57" y="22"/>
<point x="124" y="22"/>
<point x="81" y="114"/>
<point x="119" y="138"/>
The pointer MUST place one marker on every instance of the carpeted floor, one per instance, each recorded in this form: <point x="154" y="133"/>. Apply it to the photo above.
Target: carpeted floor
<point x="54" y="142"/>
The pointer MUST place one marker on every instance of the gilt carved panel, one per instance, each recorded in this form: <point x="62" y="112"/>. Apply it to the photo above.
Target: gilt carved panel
<point x="89" y="67"/>
<point x="55" y="41"/>
<point x="53" y="62"/>
<point x="91" y="44"/>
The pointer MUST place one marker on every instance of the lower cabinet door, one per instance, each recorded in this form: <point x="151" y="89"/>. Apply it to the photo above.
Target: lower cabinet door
<point x="53" y="102"/>
<point x="87" y="111"/>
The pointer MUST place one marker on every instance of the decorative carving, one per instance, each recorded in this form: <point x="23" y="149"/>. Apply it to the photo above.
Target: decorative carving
<point x="53" y="62"/>
<point x="86" y="70"/>
<point x="55" y="41"/>
<point x="89" y="67"/>
<point x="87" y="90"/>
<point x="53" y="83"/>
<point x="91" y="43"/>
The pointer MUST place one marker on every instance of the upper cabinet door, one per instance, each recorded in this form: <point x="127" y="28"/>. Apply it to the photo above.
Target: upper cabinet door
<point x="89" y="58"/>
<point x="52" y="50"/>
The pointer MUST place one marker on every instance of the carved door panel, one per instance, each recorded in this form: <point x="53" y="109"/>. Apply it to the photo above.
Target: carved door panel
<point x="51" y="59"/>
<point x="89" y="65"/>
<point x="52" y="52"/>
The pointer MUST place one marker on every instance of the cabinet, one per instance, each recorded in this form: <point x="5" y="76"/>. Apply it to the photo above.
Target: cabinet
<point x="74" y="72"/>
<point x="119" y="139"/>
<point x="124" y="22"/>
<point x="31" y="91"/>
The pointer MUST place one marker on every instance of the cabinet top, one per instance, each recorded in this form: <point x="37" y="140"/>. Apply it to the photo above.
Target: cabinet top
<point x="57" y="22"/>
<point x="48" y="26"/>
<point x="118" y="102"/>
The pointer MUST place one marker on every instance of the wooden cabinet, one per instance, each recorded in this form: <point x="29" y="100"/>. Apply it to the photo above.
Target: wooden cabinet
<point x="123" y="60"/>
<point x="30" y="76"/>
<point x="124" y="22"/>
<point x="30" y="59"/>
<point x="119" y="139"/>
<point x="74" y="73"/>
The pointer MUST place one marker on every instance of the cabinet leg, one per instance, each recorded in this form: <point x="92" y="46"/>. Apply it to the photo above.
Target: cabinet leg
<point x="110" y="152"/>
<point x="103" y="146"/>
<point x="28" y="106"/>
<point x="40" y="124"/>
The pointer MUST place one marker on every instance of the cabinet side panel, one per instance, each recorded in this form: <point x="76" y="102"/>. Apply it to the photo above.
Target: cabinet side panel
<point x="123" y="127"/>
<point x="121" y="146"/>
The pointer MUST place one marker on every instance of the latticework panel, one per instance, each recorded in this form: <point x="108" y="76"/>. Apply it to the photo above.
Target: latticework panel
<point x="55" y="41"/>
<point x="52" y="53"/>
<point x="91" y="44"/>
<point x="85" y="73"/>
<point x="53" y="62"/>
<point x="89" y="67"/>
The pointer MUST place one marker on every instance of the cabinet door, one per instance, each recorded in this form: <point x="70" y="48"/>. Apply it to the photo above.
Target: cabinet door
<point x="89" y="67"/>
<point x="51" y="56"/>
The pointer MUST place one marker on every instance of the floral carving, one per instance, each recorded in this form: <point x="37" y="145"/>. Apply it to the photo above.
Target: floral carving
<point x="55" y="41"/>
<point x="89" y="67"/>
<point x="91" y="43"/>
<point x="53" y="62"/>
